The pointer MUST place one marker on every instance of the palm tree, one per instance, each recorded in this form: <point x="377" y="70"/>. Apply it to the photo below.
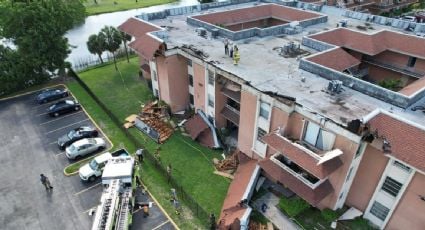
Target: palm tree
<point x="112" y="40"/>
<point x="96" y="45"/>
<point x="125" y="38"/>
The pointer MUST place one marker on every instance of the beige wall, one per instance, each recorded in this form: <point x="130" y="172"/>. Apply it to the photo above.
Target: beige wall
<point x="410" y="211"/>
<point x="199" y="86"/>
<point x="247" y="122"/>
<point x="367" y="178"/>
<point x="173" y="81"/>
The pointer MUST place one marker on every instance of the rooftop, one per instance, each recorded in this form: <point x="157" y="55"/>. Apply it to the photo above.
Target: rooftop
<point x="262" y="65"/>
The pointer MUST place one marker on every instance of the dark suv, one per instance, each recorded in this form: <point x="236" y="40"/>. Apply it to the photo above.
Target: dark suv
<point x="75" y="135"/>
<point x="51" y="95"/>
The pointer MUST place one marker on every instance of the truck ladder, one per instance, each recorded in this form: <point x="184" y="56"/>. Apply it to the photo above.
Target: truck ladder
<point x="122" y="215"/>
<point x="105" y="211"/>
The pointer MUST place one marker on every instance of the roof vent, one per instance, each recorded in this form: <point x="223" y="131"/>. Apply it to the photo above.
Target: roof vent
<point x="202" y="32"/>
<point x="335" y="86"/>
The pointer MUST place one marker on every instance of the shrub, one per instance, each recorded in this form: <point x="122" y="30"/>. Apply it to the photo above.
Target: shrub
<point x="390" y="84"/>
<point x="292" y="206"/>
<point x="329" y="215"/>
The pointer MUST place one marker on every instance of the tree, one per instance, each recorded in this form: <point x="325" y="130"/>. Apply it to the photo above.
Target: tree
<point x="112" y="40"/>
<point x="37" y="30"/>
<point x="96" y="45"/>
<point x="126" y="38"/>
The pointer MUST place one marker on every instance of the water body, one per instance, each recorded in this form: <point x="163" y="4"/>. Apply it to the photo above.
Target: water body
<point x="93" y="24"/>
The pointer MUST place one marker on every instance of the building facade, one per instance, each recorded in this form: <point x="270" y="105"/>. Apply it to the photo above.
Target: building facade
<point x="353" y="146"/>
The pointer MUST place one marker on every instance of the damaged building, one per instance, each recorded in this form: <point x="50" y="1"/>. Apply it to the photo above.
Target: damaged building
<point x="333" y="114"/>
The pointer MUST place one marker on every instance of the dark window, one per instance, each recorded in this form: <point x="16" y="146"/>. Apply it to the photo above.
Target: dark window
<point x="411" y="62"/>
<point x="260" y="134"/>
<point x="379" y="210"/>
<point x="189" y="62"/>
<point x="210" y="100"/>
<point x="191" y="100"/>
<point x="349" y="174"/>
<point x="359" y="151"/>
<point x="402" y="166"/>
<point x="210" y="77"/>
<point x="154" y="75"/>
<point x="190" y="80"/>
<point x="391" y="186"/>
<point x="264" y="110"/>
<point x="156" y="93"/>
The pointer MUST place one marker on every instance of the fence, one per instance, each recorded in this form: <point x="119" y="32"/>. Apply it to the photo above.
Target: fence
<point x="182" y="194"/>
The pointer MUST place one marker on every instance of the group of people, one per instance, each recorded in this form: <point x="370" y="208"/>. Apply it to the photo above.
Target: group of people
<point x="231" y="51"/>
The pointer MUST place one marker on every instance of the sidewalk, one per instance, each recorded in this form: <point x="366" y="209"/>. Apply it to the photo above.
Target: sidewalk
<point x="273" y="213"/>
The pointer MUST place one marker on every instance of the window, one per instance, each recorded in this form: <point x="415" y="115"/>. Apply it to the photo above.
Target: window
<point x="210" y="77"/>
<point x="391" y="186"/>
<point x="154" y="75"/>
<point x="340" y="196"/>
<point x="191" y="100"/>
<point x="210" y="100"/>
<point x="411" y="62"/>
<point x="189" y="62"/>
<point x="379" y="210"/>
<point x="319" y="138"/>
<point x="156" y="93"/>
<point x="359" y="151"/>
<point x="349" y="174"/>
<point x="260" y="134"/>
<point x="264" y="110"/>
<point x="190" y="80"/>
<point x="402" y="166"/>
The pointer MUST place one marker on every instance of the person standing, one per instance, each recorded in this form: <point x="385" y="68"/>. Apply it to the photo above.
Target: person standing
<point x="46" y="182"/>
<point x="231" y="52"/>
<point x="145" y="210"/>
<point x="226" y="46"/>
<point x="139" y="154"/>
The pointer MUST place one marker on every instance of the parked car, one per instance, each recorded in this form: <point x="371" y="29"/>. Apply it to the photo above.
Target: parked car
<point x="93" y="169"/>
<point x="84" y="146"/>
<point x="51" y="95"/>
<point x="75" y="135"/>
<point x="64" y="106"/>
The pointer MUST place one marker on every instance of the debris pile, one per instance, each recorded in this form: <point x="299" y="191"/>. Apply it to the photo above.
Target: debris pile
<point x="152" y="120"/>
<point x="228" y="165"/>
<point x="155" y="116"/>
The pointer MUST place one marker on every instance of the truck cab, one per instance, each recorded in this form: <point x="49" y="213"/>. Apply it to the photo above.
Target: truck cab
<point x="94" y="169"/>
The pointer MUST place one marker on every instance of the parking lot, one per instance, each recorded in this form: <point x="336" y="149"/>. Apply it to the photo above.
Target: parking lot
<point x="28" y="147"/>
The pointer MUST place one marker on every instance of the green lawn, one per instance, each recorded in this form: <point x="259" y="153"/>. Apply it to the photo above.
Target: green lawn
<point x="191" y="162"/>
<point x="107" y="6"/>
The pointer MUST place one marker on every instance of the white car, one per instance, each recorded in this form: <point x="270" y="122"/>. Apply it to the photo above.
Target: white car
<point x="84" y="146"/>
<point x="93" y="169"/>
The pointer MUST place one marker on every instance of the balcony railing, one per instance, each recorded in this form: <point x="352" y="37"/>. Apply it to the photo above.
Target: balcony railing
<point x="317" y="164"/>
<point x="231" y="114"/>
<point x="234" y="95"/>
<point x="396" y="68"/>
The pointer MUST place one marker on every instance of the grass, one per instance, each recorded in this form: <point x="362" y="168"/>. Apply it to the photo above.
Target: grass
<point x="155" y="183"/>
<point x="292" y="206"/>
<point x="107" y="6"/>
<point x="190" y="161"/>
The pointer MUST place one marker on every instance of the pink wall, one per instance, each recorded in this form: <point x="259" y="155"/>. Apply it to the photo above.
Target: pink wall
<point x="162" y="73"/>
<point x="247" y="122"/>
<point x="410" y="211"/>
<point x="279" y="118"/>
<point x="338" y="177"/>
<point x="178" y="83"/>
<point x="220" y="101"/>
<point x="294" y="126"/>
<point x="400" y="60"/>
<point x="199" y="86"/>
<point x="367" y="178"/>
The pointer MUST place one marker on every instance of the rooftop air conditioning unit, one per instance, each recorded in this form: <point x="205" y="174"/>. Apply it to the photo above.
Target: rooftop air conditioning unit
<point x="335" y="86"/>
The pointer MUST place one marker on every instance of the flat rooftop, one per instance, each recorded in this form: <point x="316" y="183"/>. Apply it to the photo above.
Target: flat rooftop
<point x="262" y="64"/>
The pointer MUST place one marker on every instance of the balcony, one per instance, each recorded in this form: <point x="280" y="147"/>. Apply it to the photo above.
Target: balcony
<point x="234" y="95"/>
<point x="396" y="68"/>
<point x="317" y="163"/>
<point x="305" y="185"/>
<point x="231" y="114"/>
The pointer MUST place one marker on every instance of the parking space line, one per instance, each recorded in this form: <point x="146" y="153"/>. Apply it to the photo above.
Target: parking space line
<point x="66" y="126"/>
<point x="47" y="122"/>
<point x="88" y="210"/>
<point x="58" y="154"/>
<point x="162" y="224"/>
<point x="87" y="189"/>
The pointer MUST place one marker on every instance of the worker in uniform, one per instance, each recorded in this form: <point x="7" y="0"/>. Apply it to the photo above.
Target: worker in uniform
<point x="139" y="154"/>
<point x="236" y="57"/>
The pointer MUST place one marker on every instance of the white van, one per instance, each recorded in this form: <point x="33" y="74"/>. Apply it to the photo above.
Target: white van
<point x="93" y="169"/>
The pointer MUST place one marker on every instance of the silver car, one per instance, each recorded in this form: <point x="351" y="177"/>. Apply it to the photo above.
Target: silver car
<point x="84" y="146"/>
